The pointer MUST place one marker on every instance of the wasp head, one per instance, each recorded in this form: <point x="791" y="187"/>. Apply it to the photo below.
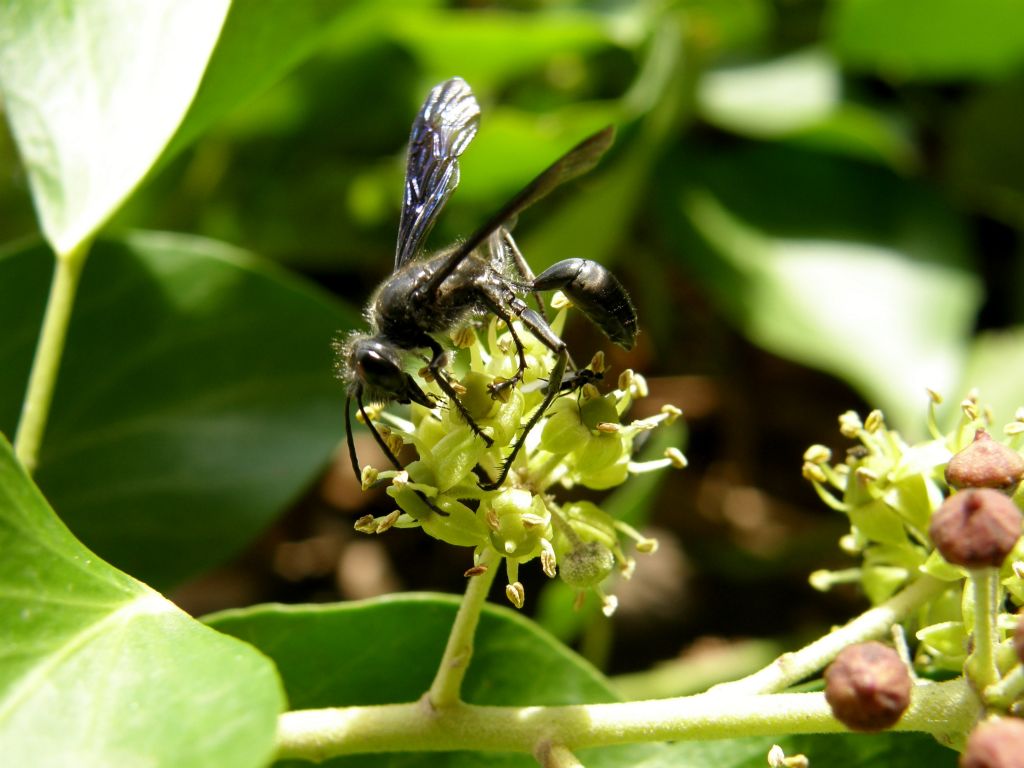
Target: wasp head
<point x="372" y="368"/>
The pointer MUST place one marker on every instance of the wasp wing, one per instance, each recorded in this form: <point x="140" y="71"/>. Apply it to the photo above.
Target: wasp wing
<point x="573" y="163"/>
<point x="444" y="127"/>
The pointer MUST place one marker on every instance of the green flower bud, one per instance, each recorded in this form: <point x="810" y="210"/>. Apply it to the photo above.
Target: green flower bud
<point x="586" y="565"/>
<point x="516" y="521"/>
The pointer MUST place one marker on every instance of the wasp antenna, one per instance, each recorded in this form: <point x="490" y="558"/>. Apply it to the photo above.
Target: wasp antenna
<point x="351" y="440"/>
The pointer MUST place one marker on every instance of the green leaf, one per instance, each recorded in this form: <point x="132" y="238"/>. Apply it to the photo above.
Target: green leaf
<point x="487" y="47"/>
<point x="799" y="97"/>
<point x="985" y="161"/>
<point x="833" y="264"/>
<point x="195" y="398"/>
<point x="996" y="369"/>
<point x="260" y="42"/>
<point x="930" y="39"/>
<point x="98" y="669"/>
<point x="93" y="92"/>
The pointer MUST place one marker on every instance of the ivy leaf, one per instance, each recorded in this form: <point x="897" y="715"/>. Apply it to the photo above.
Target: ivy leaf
<point x="99" y="669"/>
<point x="838" y="265"/>
<point x="196" y="397"/>
<point x="94" y="91"/>
<point x="929" y="39"/>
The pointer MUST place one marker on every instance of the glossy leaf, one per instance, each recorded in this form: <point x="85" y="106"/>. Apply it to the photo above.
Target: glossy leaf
<point x="450" y="41"/>
<point x="260" y="42"/>
<point x="196" y="397"/>
<point x="835" y="265"/>
<point x="928" y="39"/>
<point x="94" y="90"/>
<point x="98" y="669"/>
<point x="995" y="368"/>
<point x="799" y="97"/>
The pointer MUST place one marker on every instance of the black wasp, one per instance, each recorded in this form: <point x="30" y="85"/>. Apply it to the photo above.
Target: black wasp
<point x="433" y="294"/>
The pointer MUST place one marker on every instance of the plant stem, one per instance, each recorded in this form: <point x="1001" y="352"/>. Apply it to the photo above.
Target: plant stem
<point x="1008" y="690"/>
<point x="981" y="666"/>
<point x="945" y="710"/>
<point x="35" y="408"/>
<point x="444" y="691"/>
<point x="555" y="756"/>
<point x="790" y="668"/>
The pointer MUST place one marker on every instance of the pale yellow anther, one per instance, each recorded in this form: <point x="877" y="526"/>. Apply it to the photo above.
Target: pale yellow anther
<point x="672" y="412"/>
<point x="609" y="604"/>
<point x="365" y="524"/>
<point x="625" y="379"/>
<point x="647" y="546"/>
<point x="476" y="570"/>
<point x="387" y="521"/>
<point x="368" y="477"/>
<point x="608" y="427"/>
<point x="560" y="301"/>
<point x="639" y="388"/>
<point x="813" y="472"/>
<point x="458" y="388"/>
<point x="530" y="520"/>
<point x="597" y="364"/>
<point x="463" y="337"/>
<point x="677" y="458"/>
<point x="865" y="475"/>
<point x="818" y="454"/>
<point x="969" y="408"/>
<point x="850" y="424"/>
<point x="548" y="560"/>
<point x="874" y="421"/>
<point x="516" y="594"/>
<point x="934" y="396"/>
<point x="493" y="520"/>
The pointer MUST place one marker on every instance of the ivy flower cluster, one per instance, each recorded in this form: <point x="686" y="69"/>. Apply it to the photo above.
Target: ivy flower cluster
<point x="583" y="439"/>
<point x="946" y="507"/>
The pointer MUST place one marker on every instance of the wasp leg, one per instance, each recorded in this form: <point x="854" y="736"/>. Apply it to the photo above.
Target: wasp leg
<point x="542" y="331"/>
<point x="383" y="446"/>
<point x="506" y="317"/>
<point x="597" y="293"/>
<point x="437" y="371"/>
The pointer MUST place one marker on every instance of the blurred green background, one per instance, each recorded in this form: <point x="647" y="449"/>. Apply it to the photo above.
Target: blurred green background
<point x="817" y="206"/>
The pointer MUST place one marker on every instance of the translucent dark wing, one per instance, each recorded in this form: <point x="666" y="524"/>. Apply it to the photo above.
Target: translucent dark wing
<point x="573" y="163"/>
<point x="445" y="126"/>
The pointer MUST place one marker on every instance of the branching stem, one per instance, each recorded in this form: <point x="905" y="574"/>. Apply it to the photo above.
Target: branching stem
<point x="444" y="691"/>
<point x="941" y="709"/>
<point x="791" y="668"/>
<point x="981" y="665"/>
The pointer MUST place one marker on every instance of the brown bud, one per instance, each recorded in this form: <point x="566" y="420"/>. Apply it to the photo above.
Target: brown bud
<point x="976" y="527"/>
<point x="995" y="744"/>
<point x="986" y="463"/>
<point x="868" y="687"/>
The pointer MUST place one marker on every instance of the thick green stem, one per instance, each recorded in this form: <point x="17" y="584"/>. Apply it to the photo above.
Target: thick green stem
<point x="790" y="668"/>
<point x="945" y="710"/>
<point x="35" y="408"/>
<point x="981" y="665"/>
<point x="444" y="691"/>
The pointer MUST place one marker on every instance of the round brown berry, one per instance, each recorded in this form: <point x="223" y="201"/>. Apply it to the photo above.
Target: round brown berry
<point x="868" y="687"/>
<point x="986" y="463"/>
<point x="995" y="744"/>
<point x="976" y="527"/>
